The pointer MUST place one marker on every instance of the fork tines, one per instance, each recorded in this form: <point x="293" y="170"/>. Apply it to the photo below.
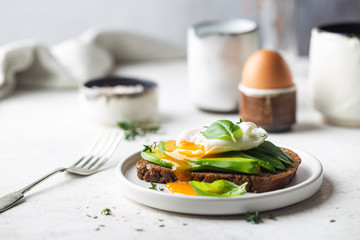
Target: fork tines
<point x="101" y="151"/>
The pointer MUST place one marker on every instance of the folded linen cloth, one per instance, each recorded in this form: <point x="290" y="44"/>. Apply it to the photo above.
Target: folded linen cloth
<point x="93" y="54"/>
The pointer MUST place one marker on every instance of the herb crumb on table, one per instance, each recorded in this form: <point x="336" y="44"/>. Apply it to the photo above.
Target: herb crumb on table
<point x="254" y="217"/>
<point x="106" y="211"/>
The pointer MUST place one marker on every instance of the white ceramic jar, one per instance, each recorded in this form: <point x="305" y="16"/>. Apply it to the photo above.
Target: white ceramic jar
<point x="110" y="100"/>
<point x="217" y="51"/>
<point x="335" y="73"/>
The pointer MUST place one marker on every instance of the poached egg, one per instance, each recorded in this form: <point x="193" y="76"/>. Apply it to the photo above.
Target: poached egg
<point x="192" y="144"/>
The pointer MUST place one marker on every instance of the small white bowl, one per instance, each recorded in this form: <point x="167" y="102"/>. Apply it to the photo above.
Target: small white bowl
<point x="113" y="99"/>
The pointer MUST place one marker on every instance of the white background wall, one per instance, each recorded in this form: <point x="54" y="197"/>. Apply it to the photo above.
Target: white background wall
<point x="53" y="21"/>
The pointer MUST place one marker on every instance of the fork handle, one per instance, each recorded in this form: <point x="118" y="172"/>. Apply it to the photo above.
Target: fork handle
<point x="13" y="198"/>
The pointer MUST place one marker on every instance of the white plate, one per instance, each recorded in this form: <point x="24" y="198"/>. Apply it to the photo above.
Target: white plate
<point x="306" y="182"/>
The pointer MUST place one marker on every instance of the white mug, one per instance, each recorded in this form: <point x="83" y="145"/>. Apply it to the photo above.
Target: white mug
<point x="217" y="51"/>
<point x="334" y="73"/>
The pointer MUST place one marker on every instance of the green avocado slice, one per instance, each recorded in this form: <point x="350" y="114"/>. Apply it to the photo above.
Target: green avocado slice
<point x="264" y="164"/>
<point x="229" y="162"/>
<point x="154" y="157"/>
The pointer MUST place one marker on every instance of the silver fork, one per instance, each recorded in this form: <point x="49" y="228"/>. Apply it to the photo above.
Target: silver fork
<point x="88" y="164"/>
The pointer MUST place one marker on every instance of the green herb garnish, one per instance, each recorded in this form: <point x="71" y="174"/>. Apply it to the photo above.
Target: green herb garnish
<point x="272" y="216"/>
<point x="222" y="129"/>
<point x="153" y="186"/>
<point x="88" y="215"/>
<point x="147" y="148"/>
<point x="254" y="217"/>
<point x="218" y="188"/>
<point x="139" y="229"/>
<point x="132" y="130"/>
<point x="106" y="211"/>
<point x="99" y="227"/>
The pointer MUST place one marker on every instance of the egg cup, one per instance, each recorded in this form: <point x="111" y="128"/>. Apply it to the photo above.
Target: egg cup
<point x="272" y="109"/>
<point x="137" y="100"/>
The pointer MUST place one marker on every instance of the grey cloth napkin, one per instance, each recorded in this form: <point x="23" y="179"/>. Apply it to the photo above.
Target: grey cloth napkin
<point x="93" y="54"/>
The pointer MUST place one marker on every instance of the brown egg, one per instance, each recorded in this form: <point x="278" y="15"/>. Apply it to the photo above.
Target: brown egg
<point x="267" y="92"/>
<point x="266" y="69"/>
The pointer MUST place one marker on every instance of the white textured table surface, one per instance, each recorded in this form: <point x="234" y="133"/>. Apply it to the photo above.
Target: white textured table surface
<point x="42" y="130"/>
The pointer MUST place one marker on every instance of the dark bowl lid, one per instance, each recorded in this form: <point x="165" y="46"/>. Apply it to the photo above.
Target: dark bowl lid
<point x="112" y="81"/>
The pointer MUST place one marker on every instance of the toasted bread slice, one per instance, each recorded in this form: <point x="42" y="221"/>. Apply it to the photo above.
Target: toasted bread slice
<point x="263" y="182"/>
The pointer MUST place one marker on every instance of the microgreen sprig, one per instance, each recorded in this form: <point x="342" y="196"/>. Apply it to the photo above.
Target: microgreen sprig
<point x="272" y="217"/>
<point x="132" y="130"/>
<point x="153" y="186"/>
<point x="149" y="148"/>
<point x="253" y="217"/>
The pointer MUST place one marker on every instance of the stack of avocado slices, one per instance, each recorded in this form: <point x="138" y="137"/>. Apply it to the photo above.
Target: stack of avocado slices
<point x="265" y="158"/>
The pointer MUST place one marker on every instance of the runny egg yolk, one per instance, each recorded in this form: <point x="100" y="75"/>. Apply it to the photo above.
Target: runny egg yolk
<point x="181" y="187"/>
<point x="182" y="167"/>
<point x="189" y="149"/>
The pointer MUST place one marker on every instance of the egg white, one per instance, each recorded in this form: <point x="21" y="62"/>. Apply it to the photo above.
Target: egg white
<point x="252" y="137"/>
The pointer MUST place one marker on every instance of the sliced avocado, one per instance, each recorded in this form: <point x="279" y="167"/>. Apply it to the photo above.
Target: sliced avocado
<point x="270" y="159"/>
<point x="269" y="148"/>
<point x="266" y="156"/>
<point x="226" y="163"/>
<point x="155" y="157"/>
<point x="262" y="163"/>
